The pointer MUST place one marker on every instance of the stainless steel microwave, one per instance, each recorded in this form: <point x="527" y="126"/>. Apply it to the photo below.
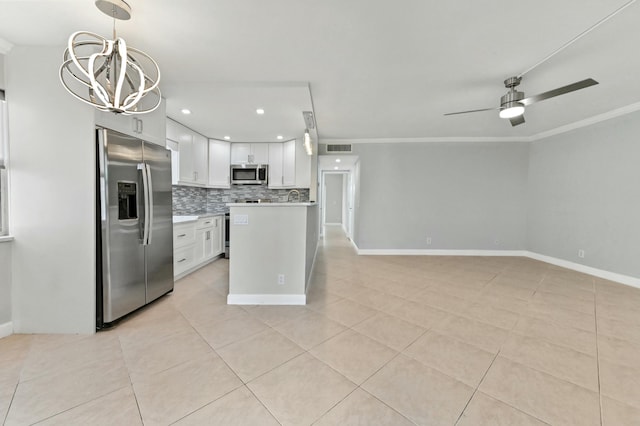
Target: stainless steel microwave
<point x="249" y="174"/>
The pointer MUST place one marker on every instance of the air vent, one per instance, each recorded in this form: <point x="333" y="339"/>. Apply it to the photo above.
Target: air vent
<point x="338" y="147"/>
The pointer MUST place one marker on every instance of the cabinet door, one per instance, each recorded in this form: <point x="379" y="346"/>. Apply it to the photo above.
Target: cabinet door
<point x="185" y="150"/>
<point x="289" y="163"/>
<point x="150" y="127"/>
<point x="218" y="242"/>
<point x="260" y="153"/>
<point x="219" y="162"/>
<point x="240" y="153"/>
<point x="200" y="159"/>
<point x="303" y="166"/>
<point x="175" y="161"/>
<point x="275" y="165"/>
<point x="199" y="248"/>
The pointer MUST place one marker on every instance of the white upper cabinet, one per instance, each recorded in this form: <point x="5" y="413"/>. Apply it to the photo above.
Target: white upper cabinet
<point x="249" y="153"/>
<point x="219" y="164"/>
<point x="275" y="165"/>
<point x="303" y="166"/>
<point x="150" y="127"/>
<point x="289" y="163"/>
<point x="282" y="164"/>
<point x="193" y="155"/>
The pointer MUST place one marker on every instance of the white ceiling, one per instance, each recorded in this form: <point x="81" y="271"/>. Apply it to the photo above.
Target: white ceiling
<point x="375" y="69"/>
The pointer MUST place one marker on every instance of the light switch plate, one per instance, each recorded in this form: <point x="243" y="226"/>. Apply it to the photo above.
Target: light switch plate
<point x="241" y="219"/>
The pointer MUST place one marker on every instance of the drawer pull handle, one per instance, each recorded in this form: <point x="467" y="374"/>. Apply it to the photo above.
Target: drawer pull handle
<point x="182" y="235"/>
<point x="181" y="260"/>
<point x="206" y="223"/>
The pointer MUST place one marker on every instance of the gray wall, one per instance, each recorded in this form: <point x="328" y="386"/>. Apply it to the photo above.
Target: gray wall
<point x="52" y="197"/>
<point x="333" y="198"/>
<point x="584" y="193"/>
<point x="462" y="195"/>
<point x="2" y="60"/>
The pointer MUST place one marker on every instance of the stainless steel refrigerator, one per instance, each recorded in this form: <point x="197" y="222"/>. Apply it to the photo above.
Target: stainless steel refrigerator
<point x="134" y="230"/>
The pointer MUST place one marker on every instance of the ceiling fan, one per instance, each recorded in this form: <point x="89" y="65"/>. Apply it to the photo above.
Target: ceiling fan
<point x="513" y="103"/>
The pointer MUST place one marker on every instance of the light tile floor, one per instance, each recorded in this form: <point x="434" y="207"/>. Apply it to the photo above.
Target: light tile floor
<point x="383" y="340"/>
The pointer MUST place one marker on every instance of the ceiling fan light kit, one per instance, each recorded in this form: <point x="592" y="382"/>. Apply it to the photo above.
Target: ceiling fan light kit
<point x="108" y="74"/>
<point x="513" y="103"/>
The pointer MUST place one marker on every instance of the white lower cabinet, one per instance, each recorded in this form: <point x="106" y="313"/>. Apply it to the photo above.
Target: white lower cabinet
<point x="196" y="243"/>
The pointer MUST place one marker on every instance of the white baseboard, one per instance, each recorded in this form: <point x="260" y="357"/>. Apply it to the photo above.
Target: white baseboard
<point x="427" y="252"/>
<point x="600" y="273"/>
<point x="266" y="299"/>
<point x="6" y="329"/>
<point x="332" y="224"/>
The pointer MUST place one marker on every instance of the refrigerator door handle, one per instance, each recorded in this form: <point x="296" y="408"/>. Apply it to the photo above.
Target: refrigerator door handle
<point x="145" y="191"/>
<point x="150" y="203"/>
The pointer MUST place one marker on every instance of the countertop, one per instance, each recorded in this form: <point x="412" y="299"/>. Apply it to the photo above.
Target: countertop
<point x="194" y="217"/>
<point x="304" y="204"/>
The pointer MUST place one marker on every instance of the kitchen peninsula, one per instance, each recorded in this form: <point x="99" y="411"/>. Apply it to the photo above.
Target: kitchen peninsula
<point x="273" y="250"/>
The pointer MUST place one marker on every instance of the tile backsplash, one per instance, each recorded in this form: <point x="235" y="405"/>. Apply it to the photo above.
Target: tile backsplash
<point x="191" y="200"/>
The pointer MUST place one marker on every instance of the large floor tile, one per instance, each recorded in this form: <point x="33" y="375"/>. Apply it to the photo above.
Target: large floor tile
<point x="541" y="395"/>
<point x="563" y="316"/>
<point x="249" y="358"/>
<point x="390" y="331"/>
<point x="455" y="358"/>
<point x="618" y="351"/>
<point x="54" y="393"/>
<point x="310" y="329"/>
<point x="7" y="389"/>
<point x="275" y="315"/>
<point x="486" y="411"/>
<point x="346" y="312"/>
<point x="117" y="408"/>
<point x="553" y="359"/>
<point x="354" y="355"/>
<point x="419" y="314"/>
<point x="492" y="315"/>
<point x="422" y="394"/>
<point x="562" y="335"/>
<point x="301" y="391"/>
<point x="360" y="409"/>
<point x="99" y="348"/>
<point x="176" y="349"/>
<point x="616" y="413"/>
<point x="13" y="353"/>
<point x="222" y="333"/>
<point x="239" y="407"/>
<point x="479" y="334"/>
<point x="620" y="382"/>
<point x="620" y="329"/>
<point x="172" y="394"/>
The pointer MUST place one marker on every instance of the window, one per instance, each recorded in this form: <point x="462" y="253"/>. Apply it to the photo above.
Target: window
<point x="4" y="222"/>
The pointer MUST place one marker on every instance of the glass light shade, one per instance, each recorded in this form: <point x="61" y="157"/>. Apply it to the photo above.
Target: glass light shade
<point x="512" y="111"/>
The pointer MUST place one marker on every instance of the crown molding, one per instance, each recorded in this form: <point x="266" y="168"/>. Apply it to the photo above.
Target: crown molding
<point x="619" y="112"/>
<point x="5" y="46"/>
<point x="428" y="140"/>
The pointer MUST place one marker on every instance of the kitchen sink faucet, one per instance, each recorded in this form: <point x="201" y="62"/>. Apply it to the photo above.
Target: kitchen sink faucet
<point x="291" y="192"/>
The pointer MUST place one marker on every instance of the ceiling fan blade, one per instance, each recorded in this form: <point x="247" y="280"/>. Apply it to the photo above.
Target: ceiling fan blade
<point x="473" y="110"/>
<point x="516" y="121"/>
<point x="559" y="91"/>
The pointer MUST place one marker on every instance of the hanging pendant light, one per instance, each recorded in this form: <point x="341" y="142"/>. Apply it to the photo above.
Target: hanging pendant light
<point x="108" y="74"/>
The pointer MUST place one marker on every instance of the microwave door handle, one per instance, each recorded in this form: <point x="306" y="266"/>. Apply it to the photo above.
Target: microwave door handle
<point x="150" y="203"/>
<point x="145" y="195"/>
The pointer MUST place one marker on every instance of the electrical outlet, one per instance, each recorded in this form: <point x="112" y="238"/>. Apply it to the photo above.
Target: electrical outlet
<point x="581" y="254"/>
<point x="428" y="240"/>
<point x="280" y="279"/>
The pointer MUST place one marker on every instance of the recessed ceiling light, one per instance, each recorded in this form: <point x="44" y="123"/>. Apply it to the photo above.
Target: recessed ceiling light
<point x="336" y="168"/>
<point x="338" y="160"/>
<point x="279" y="137"/>
<point x="185" y="111"/>
<point x="259" y="111"/>
<point x="227" y="138"/>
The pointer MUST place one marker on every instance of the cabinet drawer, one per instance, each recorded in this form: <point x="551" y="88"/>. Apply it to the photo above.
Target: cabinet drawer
<point x="206" y="222"/>
<point x="183" y="259"/>
<point x="184" y="235"/>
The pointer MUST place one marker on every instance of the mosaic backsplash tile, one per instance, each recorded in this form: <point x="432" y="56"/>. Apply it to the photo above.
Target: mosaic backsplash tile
<point x="190" y="200"/>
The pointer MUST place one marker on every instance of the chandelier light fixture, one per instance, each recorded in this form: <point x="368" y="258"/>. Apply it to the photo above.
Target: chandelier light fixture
<point x="108" y="74"/>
